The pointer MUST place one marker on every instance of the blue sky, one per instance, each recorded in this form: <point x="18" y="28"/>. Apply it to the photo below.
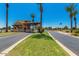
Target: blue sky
<point x="53" y="13"/>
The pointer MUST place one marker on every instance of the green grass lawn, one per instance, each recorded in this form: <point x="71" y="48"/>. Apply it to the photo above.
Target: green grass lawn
<point x="38" y="45"/>
<point x="7" y="33"/>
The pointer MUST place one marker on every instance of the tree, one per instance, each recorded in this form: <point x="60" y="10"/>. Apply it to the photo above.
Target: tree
<point x="0" y="30"/>
<point x="49" y="28"/>
<point x="7" y="17"/>
<point x="41" y="12"/>
<point x="74" y="14"/>
<point x="65" y="27"/>
<point x="70" y="9"/>
<point x="9" y="27"/>
<point x="60" y="25"/>
<point x="33" y="16"/>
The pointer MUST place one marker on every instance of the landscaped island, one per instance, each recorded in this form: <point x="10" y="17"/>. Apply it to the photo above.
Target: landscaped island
<point x="38" y="45"/>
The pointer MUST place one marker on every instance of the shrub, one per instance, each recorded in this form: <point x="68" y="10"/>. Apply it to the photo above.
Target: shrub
<point x="75" y="34"/>
<point x="40" y="30"/>
<point x="67" y="31"/>
<point x="77" y="31"/>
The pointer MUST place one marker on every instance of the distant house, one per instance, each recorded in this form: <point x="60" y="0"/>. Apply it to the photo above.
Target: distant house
<point x="25" y="26"/>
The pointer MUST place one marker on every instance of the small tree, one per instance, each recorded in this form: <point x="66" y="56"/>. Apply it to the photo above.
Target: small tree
<point x="66" y="27"/>
<point x="33" y="16"/>
<point x="9" y="27"/>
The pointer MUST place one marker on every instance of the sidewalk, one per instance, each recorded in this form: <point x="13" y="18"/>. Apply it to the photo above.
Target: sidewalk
<point x="5" y="34"/>
<point x="69" y="34"/>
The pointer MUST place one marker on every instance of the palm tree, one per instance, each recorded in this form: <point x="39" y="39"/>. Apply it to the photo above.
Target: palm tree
<point x="41" y="11"/>
<point x="33" y="16"/>
<point x="7" y="17"/>
<point x="70" y="10"/>
<point x="60" y="25"/>
<point x="74" y="14"/>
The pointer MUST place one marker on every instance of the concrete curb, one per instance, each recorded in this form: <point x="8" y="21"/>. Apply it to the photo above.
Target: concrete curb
<point x="64" y="47"/>
<point x="3" y="53"/>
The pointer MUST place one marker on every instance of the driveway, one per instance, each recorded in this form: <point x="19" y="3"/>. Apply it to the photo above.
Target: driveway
<point x="70" y="42"/>
<point x="7" y="41"/>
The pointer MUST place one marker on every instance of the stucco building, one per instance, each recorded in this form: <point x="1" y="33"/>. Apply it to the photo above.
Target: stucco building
<point x="25" y="26"/>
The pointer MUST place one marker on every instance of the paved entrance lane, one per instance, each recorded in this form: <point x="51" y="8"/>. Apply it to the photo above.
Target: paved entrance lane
<point x="70" y="42"/>
<point x="7" y="41"/>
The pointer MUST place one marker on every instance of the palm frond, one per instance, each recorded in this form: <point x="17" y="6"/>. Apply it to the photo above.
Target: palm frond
<point x="75" y="12"/>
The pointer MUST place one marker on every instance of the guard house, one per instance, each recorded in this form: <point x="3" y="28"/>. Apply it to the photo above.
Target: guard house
<point x="25" y="26"/>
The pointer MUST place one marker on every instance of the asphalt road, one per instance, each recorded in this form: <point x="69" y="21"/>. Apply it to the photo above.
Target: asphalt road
<point x="70" y="42"/>
<point x="7" y="41"/>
